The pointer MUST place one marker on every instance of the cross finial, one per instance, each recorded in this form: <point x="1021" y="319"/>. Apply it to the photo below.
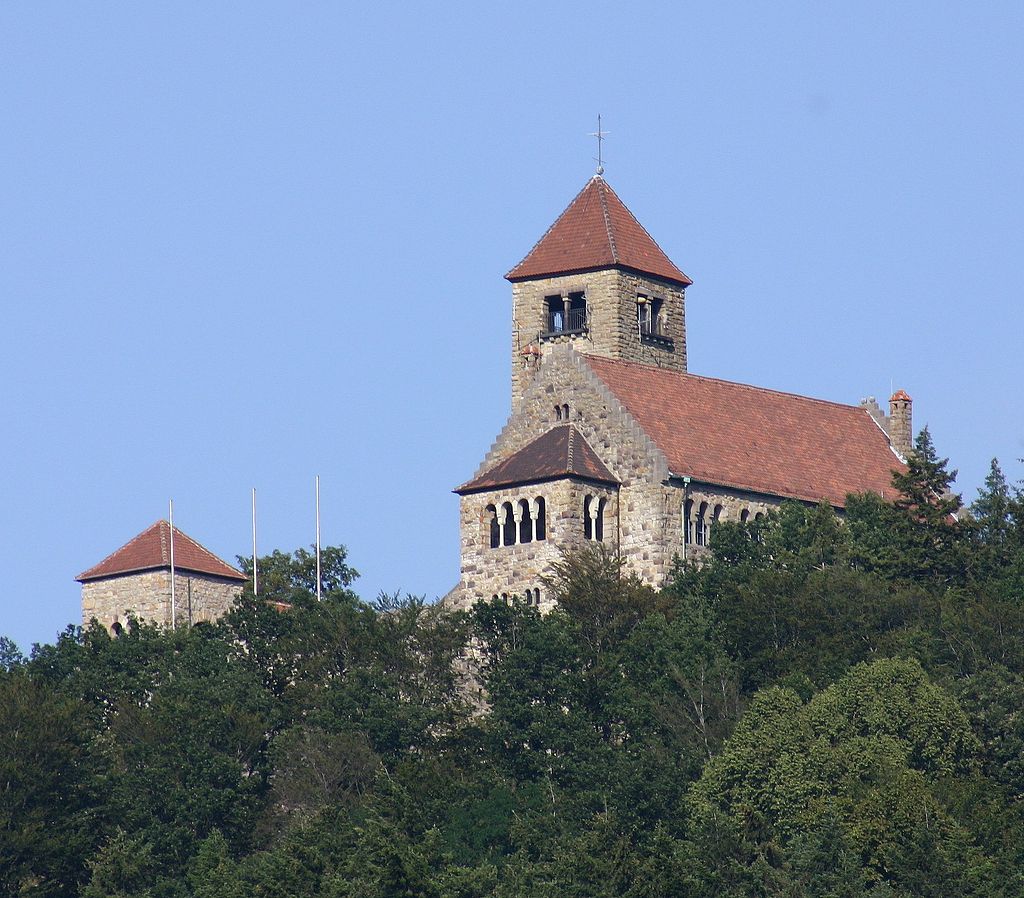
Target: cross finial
<point x="600" y="135"/>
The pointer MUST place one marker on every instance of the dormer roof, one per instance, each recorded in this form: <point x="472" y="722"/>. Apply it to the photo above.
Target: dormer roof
<point x="596" y="231"/>
<point x="561" y="452"/>
<point x="151" y="550"/>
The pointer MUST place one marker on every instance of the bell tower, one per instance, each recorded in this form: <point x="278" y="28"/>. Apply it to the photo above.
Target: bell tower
<point x="597" y="280"/>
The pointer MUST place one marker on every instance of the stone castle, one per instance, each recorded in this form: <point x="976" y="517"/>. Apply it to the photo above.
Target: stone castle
<point x="611" y="439"/>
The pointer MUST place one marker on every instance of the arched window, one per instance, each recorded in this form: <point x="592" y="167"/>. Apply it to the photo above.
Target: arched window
<point x="525" y="522"/>
<point x="508" y="530"/>
<point x="599" y="520"/>
<point x="565" y="411"/>
<point x="744" y="515"/>
<point x="716" y="516"/>
<point x="702" y="524"/>
<point x="759" y="516"/>
<point x="588" y="524"/>
<point x="536" y="597"/>
<point x="539" y="519"/>
<point x="493" y="527"/>
<point x="558" y="413"/>
<point x="688" y="521"/>
<point x="116" y="628"/>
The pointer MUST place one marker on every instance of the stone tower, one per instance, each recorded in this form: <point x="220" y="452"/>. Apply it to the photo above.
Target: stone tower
<point x="597" y="280"/>
<point x="136" y="580"/>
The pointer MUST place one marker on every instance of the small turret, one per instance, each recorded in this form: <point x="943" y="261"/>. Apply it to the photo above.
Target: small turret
<point x="901" y="431"/>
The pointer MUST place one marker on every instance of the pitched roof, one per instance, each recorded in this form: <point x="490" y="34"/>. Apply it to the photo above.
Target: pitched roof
<point x="561" y="452"/>
<point x="596" y="231"/>
<point x="151" y="550"/>
<point x="751" y="438"/>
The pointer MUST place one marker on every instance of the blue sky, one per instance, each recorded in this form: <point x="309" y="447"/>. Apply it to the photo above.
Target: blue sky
<point x="242" y="244"/>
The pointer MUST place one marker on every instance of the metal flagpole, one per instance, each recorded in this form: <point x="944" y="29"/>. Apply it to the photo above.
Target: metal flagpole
<point x="318" y="537"/>
<point x="170" y="523"/>
<point x="255" y="576"/>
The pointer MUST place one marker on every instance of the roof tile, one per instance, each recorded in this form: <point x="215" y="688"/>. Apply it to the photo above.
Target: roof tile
<point x="151" y="550"/>
<point x="561" y="452"/>
<point x="596" y="231"/>
<point x="751" y="438"/>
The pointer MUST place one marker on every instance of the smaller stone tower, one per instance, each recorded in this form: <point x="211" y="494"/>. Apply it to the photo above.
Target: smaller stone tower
<point x="136" y="580"/>
<point x="597" y="280"/>
<point x="901" y="431"/>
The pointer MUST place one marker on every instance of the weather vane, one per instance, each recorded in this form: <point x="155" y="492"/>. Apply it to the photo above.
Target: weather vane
<point x="600" y="135"/>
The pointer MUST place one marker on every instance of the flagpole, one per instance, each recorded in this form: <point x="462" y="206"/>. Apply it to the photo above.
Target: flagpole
<point x="170" y="523"/>
<point x="318" y="537"/>
<point x="255" y="576"/>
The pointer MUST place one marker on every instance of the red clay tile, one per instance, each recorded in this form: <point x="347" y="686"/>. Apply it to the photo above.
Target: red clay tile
<point x="780" y="444"/>
<point x="151" y="550"/>
<point x="596" y="231"/>
<point x="561" y="452"/>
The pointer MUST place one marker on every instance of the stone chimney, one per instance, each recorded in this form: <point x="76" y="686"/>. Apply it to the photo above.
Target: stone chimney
<point x="901" y="431"/>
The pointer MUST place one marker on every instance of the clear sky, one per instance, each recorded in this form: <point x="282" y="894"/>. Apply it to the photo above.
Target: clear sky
<point x="242" y="244"/>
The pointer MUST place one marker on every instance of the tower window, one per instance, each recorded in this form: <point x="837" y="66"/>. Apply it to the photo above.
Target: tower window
<point x="652" y="319"/>
<point x="702" y="524"/>
<point x="566" y="314"/>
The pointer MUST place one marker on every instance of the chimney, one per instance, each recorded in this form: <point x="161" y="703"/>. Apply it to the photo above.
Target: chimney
<point x="900" y="426"/>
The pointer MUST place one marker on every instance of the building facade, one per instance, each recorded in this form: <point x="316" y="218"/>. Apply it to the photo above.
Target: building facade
<point x="611" y="440"/>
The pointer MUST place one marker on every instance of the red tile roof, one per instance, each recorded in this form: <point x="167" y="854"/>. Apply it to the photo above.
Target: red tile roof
<point x="151" y="550"/>
<point x="561" y="452"/>
<point x="780" y="444"/>
<point x="900" y="396"/>
<point x="596" y="231"/>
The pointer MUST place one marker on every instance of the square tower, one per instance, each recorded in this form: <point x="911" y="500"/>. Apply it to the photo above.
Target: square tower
<point x="598" y="280"/>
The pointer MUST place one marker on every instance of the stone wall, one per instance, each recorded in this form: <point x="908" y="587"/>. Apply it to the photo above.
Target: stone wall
<point x="147" y="596"/>
<point x="648" y="520"/>
<point x="613" y="332"/>
<point x="511" y="571"/>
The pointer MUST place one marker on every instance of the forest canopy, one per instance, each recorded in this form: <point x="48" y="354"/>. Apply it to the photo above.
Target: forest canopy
<point x="825" y="707"/>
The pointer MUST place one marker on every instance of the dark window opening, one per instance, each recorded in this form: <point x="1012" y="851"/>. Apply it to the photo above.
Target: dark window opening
<point x="688" y="521"/>
<point x="566" y="314"/>
<point x="508" y="534"/>
<point x="701" y="528"/>
<point x="599" y="520"/>
<point x="540" y="525"/>
<point x="495" y="529"/>
<point x="525" y="522"/>
<point x="588" y="525"/>
<point x="116" y="628"/>
<point x="744" y="515"/>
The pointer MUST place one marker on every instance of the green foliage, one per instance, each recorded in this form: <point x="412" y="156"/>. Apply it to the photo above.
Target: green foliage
<point x="824" y="707"/>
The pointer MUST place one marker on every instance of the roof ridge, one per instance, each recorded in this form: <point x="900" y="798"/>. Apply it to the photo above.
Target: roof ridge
<point x="568" y="460"/>
<point x="722" y="380"/>
<point x="134" y="539"/>
<point x="551" y="227"/>
<point x="602" y="186"/>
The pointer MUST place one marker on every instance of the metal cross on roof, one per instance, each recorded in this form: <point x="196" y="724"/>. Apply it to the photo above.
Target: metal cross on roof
<point x="600" y="135"/>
